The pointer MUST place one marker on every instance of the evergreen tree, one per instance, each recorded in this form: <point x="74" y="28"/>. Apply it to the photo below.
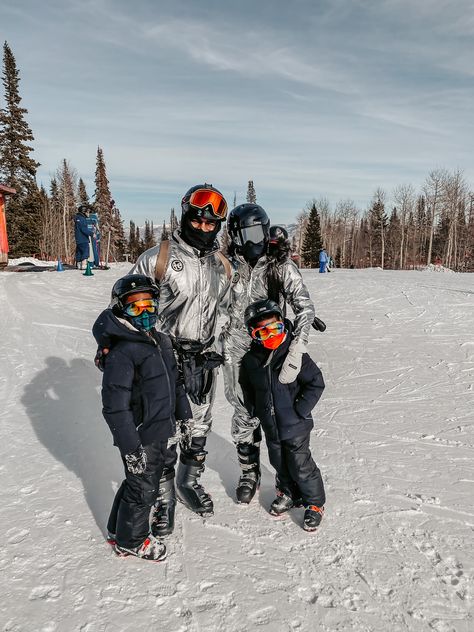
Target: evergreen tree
<point x="312" y="241"/>
<point x="120" y="241"/>
<point x="251" y="195"/>
<point x="132" y="242"/>
<point x="174" y="223"/>
<point x="103" y="200"/>
<point x="17" y="167"/>
<point x="149" y="238"/>
<point x="394" y="234"/>
<point x="225" y="240"/>
<point x="377" y="230"/>
<point x="110" y="221"/>
<point x="82" y="196"/>
<point x="164" y="231"/>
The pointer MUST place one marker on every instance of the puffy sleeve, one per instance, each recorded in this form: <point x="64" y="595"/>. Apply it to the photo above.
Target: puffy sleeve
<point x="297" y="295"/>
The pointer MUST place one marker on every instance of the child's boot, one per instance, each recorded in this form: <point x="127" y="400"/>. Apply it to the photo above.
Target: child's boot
<point x="249" y="481"/>
<point x="312" y="517"/>
<point x="150" y="549"/>
<point x="162" y="522"/>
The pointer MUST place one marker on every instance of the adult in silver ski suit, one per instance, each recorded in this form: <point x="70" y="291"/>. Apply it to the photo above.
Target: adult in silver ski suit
<point x="193" y="283"/>
<point x="257" y="270"/>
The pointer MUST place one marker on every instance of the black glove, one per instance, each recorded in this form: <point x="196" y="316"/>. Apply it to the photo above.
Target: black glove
<point x="100" y="356"/>
<point x="198" y="374"/>
<point x="318" y="324"/>
<point x="136" y="461"/>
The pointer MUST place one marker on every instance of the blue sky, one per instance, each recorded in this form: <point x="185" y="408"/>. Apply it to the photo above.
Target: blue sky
<point x="309" y="98"/>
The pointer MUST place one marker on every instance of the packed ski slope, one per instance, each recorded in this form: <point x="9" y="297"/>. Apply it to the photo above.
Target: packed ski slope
<point x="394" y="438"/>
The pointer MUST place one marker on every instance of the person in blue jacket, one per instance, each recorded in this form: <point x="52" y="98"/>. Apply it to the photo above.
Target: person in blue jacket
<point x="284" y="410"/>
<point x="323" y="260"/>
<point x="143" y="400"/>
<point x="93" y="223"/>
<point x="82" y="231"/>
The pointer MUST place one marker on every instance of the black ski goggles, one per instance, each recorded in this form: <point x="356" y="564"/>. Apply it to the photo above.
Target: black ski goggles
<point x="255" y="234"/>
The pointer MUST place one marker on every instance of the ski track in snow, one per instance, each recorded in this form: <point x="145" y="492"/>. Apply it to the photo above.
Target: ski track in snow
<point x="393" y="437"/>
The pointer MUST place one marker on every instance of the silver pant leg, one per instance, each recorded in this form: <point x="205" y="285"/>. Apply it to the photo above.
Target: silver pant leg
<point x="234" y="346"/>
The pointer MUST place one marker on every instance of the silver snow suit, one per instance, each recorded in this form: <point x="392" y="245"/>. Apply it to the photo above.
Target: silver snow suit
<point x="247" y="286"/>
<point x="191" y="291"/>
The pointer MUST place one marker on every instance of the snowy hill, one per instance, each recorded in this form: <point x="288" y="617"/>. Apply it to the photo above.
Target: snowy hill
<point x="394" y="438"/>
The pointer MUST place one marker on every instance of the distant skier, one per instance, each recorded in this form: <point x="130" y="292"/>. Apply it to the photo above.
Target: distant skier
<point x="142" y="399"/>
<point x="82" y="232"/>
<point x="323" y="261"/>
<point x="284" y="410"/>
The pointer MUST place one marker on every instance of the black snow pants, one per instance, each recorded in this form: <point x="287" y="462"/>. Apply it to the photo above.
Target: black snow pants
<point x="129" y="518"/>
<point x="294" y="465"/>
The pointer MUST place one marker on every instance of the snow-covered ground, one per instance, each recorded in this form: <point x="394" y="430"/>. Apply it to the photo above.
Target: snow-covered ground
<point x="394" y="439"/>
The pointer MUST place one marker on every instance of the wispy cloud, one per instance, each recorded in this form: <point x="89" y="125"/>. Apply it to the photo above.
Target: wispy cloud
<point x="325" y="97"/>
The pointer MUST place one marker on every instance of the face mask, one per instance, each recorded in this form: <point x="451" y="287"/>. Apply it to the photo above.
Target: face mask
<point x="252" y="252"/>
<point x="196" y="237"/>
<point x="144" y="322"/>
<point x="274" y="341"/>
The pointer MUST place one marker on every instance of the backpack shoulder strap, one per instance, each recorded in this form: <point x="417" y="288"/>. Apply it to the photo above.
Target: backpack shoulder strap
<point x="226" y="263"/>
<point x="162" y="260"/>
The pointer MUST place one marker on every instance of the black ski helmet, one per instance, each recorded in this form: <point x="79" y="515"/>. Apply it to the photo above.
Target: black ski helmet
<point x="132" y="284"/>
<point x="249" y="230"/>
<point x="278" y="232"/>
<point x="215" y="210"/>
<point x="248" y="216"/>
<point x="84" y="207"/>
<point x="258" y="310"/>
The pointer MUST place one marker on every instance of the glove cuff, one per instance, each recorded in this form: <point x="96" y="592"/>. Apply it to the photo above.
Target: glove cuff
<point x="298" y="346"/>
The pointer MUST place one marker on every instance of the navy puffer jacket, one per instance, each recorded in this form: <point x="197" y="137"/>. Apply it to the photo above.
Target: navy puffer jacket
<point x="284" y="410"/>
<point x="141" y="394"/>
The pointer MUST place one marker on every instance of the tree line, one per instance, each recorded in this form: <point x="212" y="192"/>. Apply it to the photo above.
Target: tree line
<point x="40" y="222"/>
<point x="407" y="230"/>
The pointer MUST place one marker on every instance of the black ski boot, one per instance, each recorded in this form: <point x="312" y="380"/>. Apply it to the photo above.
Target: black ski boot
<point x="281" y="504"/>
<point x="188" y="490"/>
<point x="162" y="522"/>
<point x="312" y="517"/>
<point x="249" y="481"/>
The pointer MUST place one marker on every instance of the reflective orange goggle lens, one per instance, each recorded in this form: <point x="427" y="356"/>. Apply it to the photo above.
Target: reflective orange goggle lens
<point x="205" y="197"/>
<point x="273" y="329"/>
<point x="138" y="307"/>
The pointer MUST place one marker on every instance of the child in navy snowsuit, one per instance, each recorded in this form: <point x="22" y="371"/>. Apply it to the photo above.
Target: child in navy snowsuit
<point x="142" y="399"/>
<point x="284" y="410"/>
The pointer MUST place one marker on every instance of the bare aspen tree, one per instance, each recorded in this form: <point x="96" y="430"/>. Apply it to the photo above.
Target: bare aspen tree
<point x="432" y="191"/>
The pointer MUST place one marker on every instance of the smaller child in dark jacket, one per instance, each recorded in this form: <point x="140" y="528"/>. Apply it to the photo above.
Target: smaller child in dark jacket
<point x="284" y="411"/>
<point x="142" y="399"/>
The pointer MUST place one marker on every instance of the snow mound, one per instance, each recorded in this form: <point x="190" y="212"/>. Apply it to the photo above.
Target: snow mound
<point x="437" y="268"/>
<point x="32" y="260"/>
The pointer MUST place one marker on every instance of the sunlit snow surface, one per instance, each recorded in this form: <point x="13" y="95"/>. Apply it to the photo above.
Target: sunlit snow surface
<point x="394" y="439"/>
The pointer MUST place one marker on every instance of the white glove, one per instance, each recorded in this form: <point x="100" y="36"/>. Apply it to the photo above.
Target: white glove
<point x="292" y="364"/>
<point x="136" y="461"/>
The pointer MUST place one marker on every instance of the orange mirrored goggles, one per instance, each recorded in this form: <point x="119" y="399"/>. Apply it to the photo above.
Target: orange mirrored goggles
<point x="206" y="197"/>
<point x="138" y="307"/>
<point x="272" y="329"/>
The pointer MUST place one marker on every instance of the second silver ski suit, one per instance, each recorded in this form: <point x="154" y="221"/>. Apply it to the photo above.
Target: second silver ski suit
<point x="247" y="286"/>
